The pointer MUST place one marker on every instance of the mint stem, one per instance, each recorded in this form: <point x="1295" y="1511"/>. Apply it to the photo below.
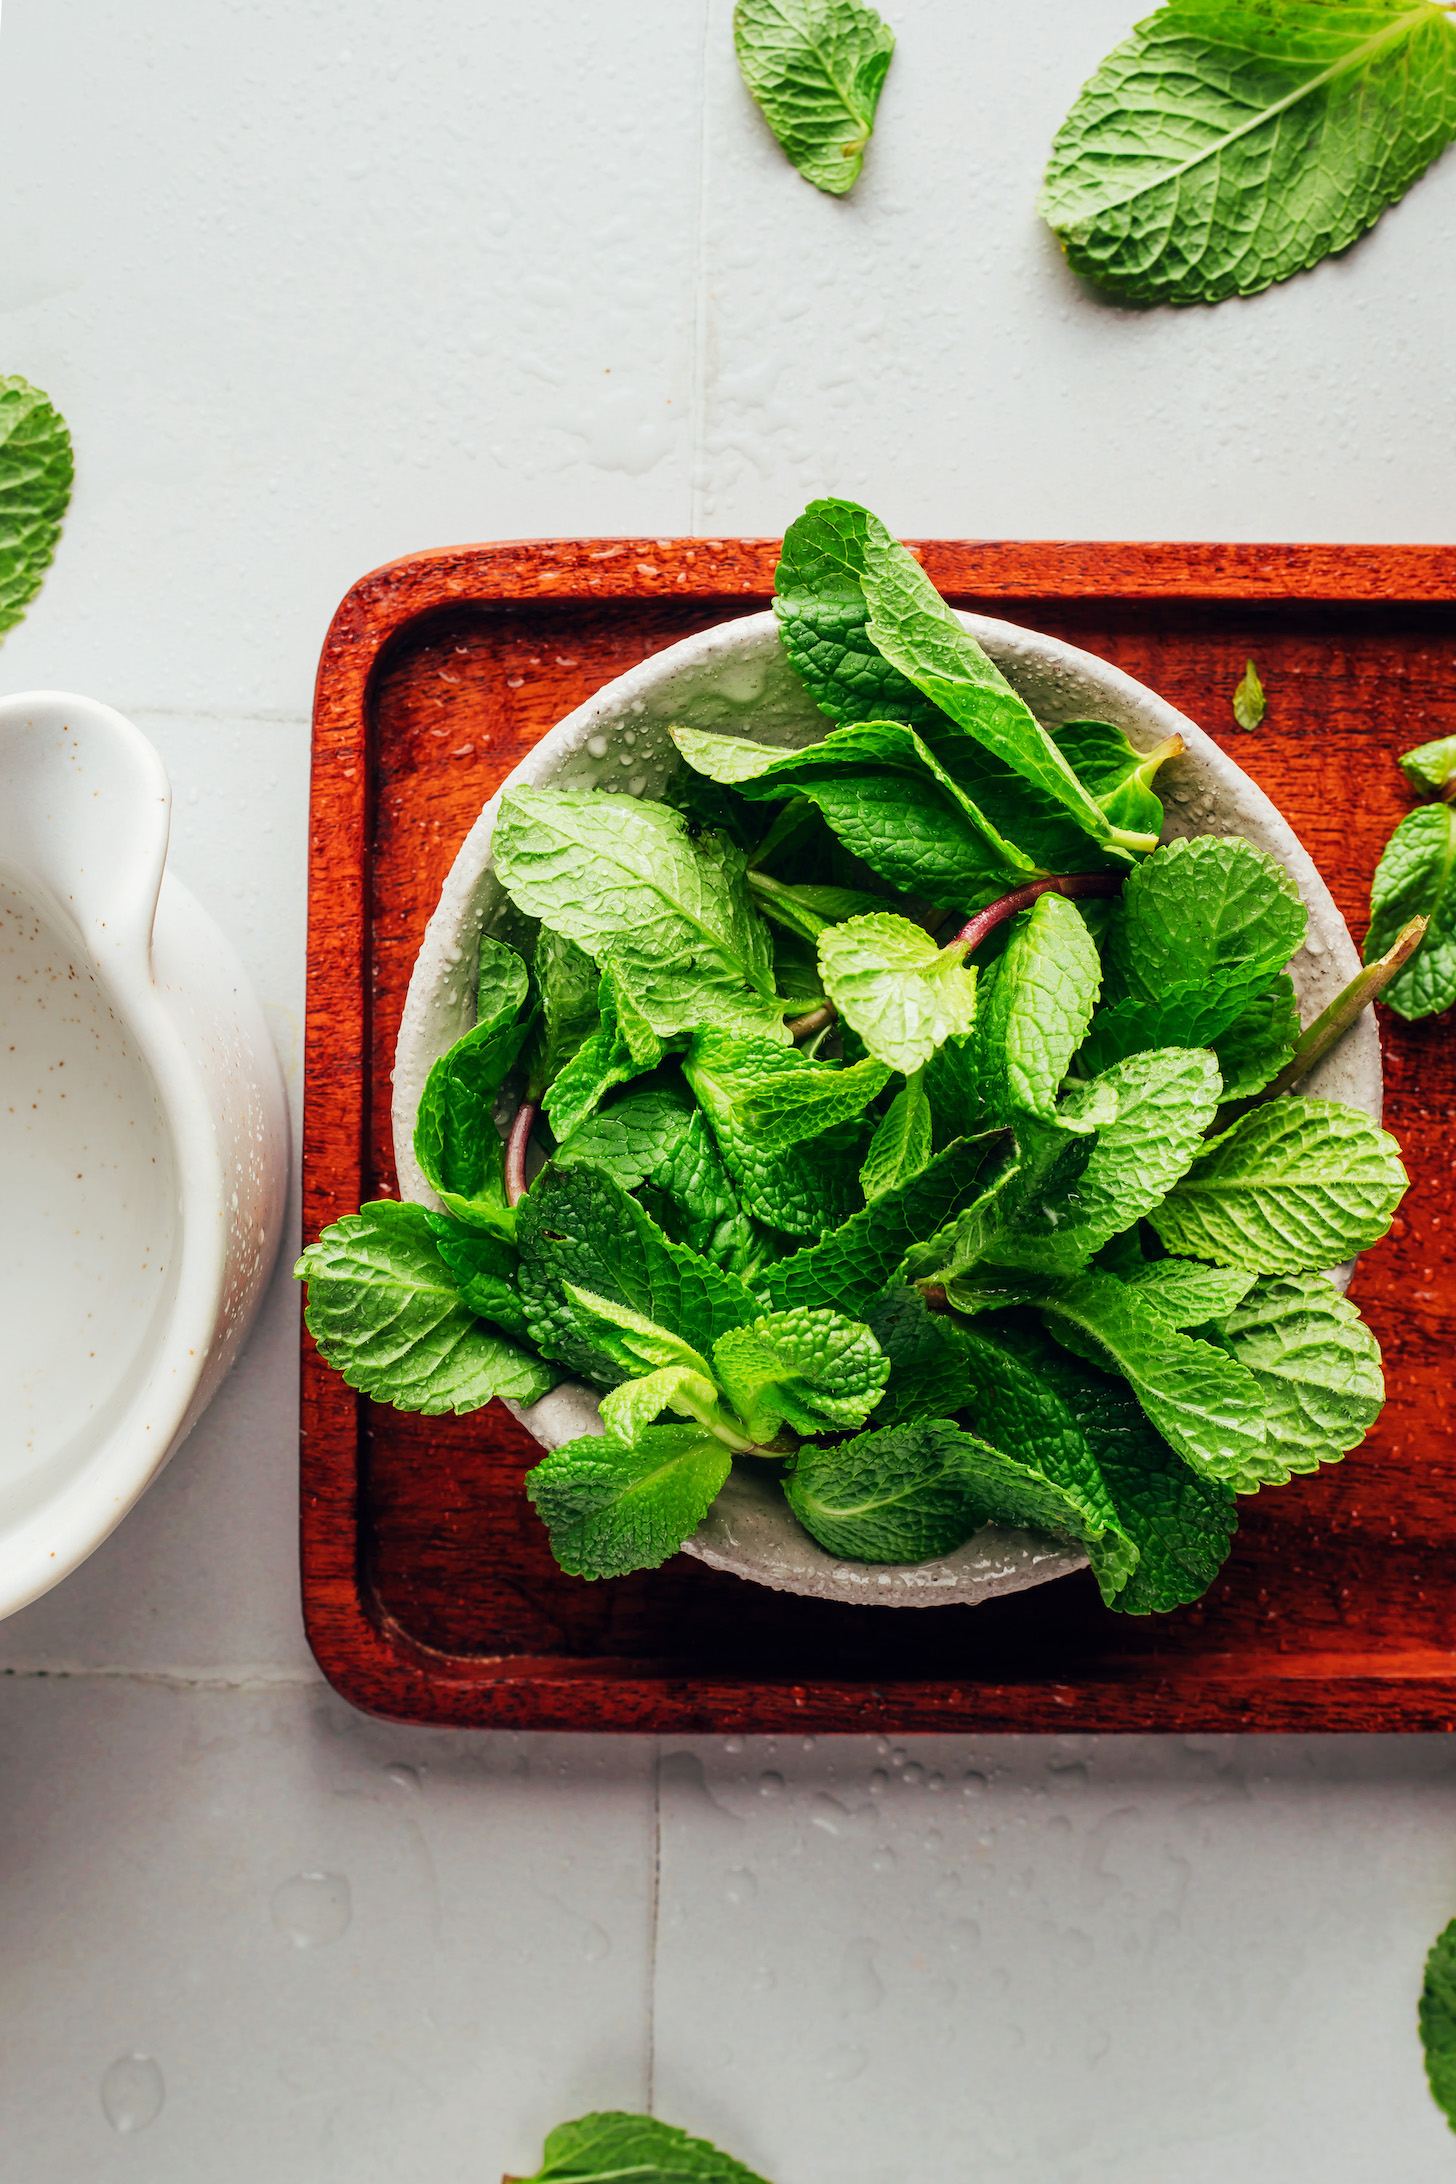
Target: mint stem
<point x="1330" y="1027"/>
<point x="996" y="913"/>
<point x="523" y="1122"/>
<point x="801" y="1027"/>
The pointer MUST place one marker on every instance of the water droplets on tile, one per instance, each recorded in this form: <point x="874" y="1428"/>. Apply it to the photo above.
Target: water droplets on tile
<point x="132" y="2093"/>
<point x="313" y="1909"/>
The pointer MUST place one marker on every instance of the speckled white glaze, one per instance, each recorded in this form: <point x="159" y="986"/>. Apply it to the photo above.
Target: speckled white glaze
<point x="735" y="679"/>
<point x="144" y="1191"/>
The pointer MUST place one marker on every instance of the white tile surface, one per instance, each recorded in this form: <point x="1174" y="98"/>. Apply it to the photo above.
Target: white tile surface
<point x="319" y="284"/>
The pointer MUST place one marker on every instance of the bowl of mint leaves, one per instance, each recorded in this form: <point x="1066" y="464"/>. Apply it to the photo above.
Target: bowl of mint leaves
<point x="869" y="1137"/>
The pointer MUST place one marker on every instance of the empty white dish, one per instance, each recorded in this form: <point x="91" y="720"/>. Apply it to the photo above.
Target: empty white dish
<point x="736" y="679"/>
<point x="143" y="1138"/>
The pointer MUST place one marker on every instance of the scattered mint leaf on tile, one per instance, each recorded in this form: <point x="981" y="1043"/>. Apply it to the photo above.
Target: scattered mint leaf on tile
<point x="1438" y="2021"/>
<point x="1248" y="699"/>
<point x="815" y="69"/>
<point x="1318" y="1368"/>
<point x="604" y="2148"/>
<point x="611" y="1506"/>
<point x="1416" y="877"/>
<point x="388" y="1315"/>
<point x="1296" y="1185"/>
<point x="1228" y="144"/>
<point x="901" y="1146"/>
<point x="811" y="1370"/>
<point x="902" y="994"/>
<point x="1432" y="767"/>
<point x="36" y="472"/>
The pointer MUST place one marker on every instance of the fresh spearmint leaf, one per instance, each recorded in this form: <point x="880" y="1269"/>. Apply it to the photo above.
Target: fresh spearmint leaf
<point x="1438" y="2021"/>
<point x="1189" y="1294"/>
<point x="1181" y="1524"/>
<point x="484" y="1265"/>
<point x="1259" y="1041"/>
<point x="625" y="882"/>
<point x="792" y="1098"/>
<point x="388" y="1315"/>
<point x="622" y="1047"/>
<point x="823" y="619"/>
<point x="656" y="1142"/>
<point x="918" y="633"/>
<point x="803" y="1189"/>
<point x="1297" y="1185"/>
<point x="903" y="1495"/>
<point x="602" y="2149"/>
<point x="1416" y="877"/>
<point x="901" y="1146"/>
<point x="456" y="1141"/>
<point x="926" y="1354"/>
<point x="1028" y="1193"/>
<point x="849" y="1267"/>
<point x="36" y="470"/>
<point x="812" y="1370"/>
<point x="1164" y="1103"/>
<point x="1188" y="1012"/>
<point x="902" y="994"/>
<point x="887" y="797"/>
<point x="816" y="69"/>
<point x="1318" y="1367"/>
<point x="633" y="1342"/>
<point x="1248" y="699"/>
<point x="1432" y="767"/>
<point x="953" y="1087"/>
<point x="806" y="911"/>
<point x="1041" y="1004"/>
<point x="1115" y="772"/>
<point x="612" y="1507"/>
<point x="1228" y="144"/>
<point x="566" y="982"/>
<point x="628" y="1411"/>
<point x="578" y="1226"/>
<point x="1209" y="908"/>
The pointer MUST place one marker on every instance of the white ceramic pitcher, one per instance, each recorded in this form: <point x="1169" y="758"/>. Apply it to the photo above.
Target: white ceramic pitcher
<point x="143" y="1138"/>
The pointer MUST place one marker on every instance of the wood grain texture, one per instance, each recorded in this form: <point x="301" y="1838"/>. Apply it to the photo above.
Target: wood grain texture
<point x="429" y="1591"/>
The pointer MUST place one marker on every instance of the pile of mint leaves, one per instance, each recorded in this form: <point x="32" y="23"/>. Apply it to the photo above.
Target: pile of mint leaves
<point x="900" y="1105"/>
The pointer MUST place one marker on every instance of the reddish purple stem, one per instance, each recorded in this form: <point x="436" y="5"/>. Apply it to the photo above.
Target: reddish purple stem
<point x="522" y="1124"/>
<point x="996" y="913"/>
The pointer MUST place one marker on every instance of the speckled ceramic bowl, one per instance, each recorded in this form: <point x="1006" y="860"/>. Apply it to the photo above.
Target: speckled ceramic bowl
<point x="735" y="679"/>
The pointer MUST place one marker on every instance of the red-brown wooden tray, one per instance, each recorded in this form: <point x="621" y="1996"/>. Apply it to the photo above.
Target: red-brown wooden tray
<point x="428" y="1589"/>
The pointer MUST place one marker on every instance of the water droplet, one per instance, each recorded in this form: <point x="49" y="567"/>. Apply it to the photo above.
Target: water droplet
<point x="770" y="1784"/>
<point x="934" y="1840"/>
<point x="313" y="1908"/>
<point x="733" y="1744"/>
<point x="845" y="2062"/>
<point x="741" y="1886"/>
<point x="898" y="1756"/>
<point x="914" y="1774"/>
<point x="883" y="1860"/>
<point x="596" y="1942"/>
<point x="879" y="1782"/>
<point x="132" y="2093"/>
<point x="597" y="746"/>
<point x="963" y="1934"/>
<point x="404" y="1778"/>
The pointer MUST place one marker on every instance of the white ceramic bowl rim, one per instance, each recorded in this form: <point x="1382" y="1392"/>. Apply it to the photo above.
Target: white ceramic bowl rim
<point x="750" y="1530"/>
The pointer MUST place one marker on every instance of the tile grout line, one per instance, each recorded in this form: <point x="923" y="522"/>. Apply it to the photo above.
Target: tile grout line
<point x="240" y="1677"/>
<point x="652" y="1923"/>
<point x="696" y="483"/>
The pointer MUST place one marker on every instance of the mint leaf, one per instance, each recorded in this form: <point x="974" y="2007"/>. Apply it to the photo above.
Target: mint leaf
<point x="926" y="1356"/>
<point x="386" y="1314"/>
<point x="1438" y="2021"/>
<point x="1164" y="1103"/>
<point x="812" y="1370"/>
<point x="1206" y="908"/>
<point x="791" y="1098"/>
<point x="1199" y="1398"/>
<point x="621" y="1048"/>
<point x="1189" y="1294"/>
<point x="1318" y="1368"/>
<point x="577" y="1226"/>
<point x="1259" y="1041"/>
<point x="631" y="1340"/>
<point x="1295" y="1185"/>
<point x="656" y="1143"/>
<point x="603" y="2149"/>
<point x="900" y="1148"/>
<point x="953" y="1087"/>
<point x="823" y="620"/>
<point x="901" y="993"/>
<point x="1028" y="1193"/>
<point x="1228" y="144"/>
<point x="456" y="1141"/>
<point x="484" y="1266"/>
<point x="567" y="983"/>
<point x="850" y="1266"/>
<point x="1248" y="699"/>
<point x="611" y="1507"/>
<point x="1182" y="1525"/>
<point x="804" y="1189"/>
<point x="806" y="911"/>
<point x="624" y="881"/>
<point x="1040" y="1005"/>
<point x="816" y="69"/>
<point x="627" y="1411"/>
<point x="1118" y="775"/>
<point x="1186" y="1012"/>
<point x="1416" y="877"/>
<point x="36" y="470"/>
<point x="903" y="1495"/>
<point x="1432" y="766"/>
<point x="923" y="637"/>
<point x="888" y="799"/>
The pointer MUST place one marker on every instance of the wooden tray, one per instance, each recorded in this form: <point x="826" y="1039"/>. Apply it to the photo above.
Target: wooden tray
<point x="428" y="1589"/>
